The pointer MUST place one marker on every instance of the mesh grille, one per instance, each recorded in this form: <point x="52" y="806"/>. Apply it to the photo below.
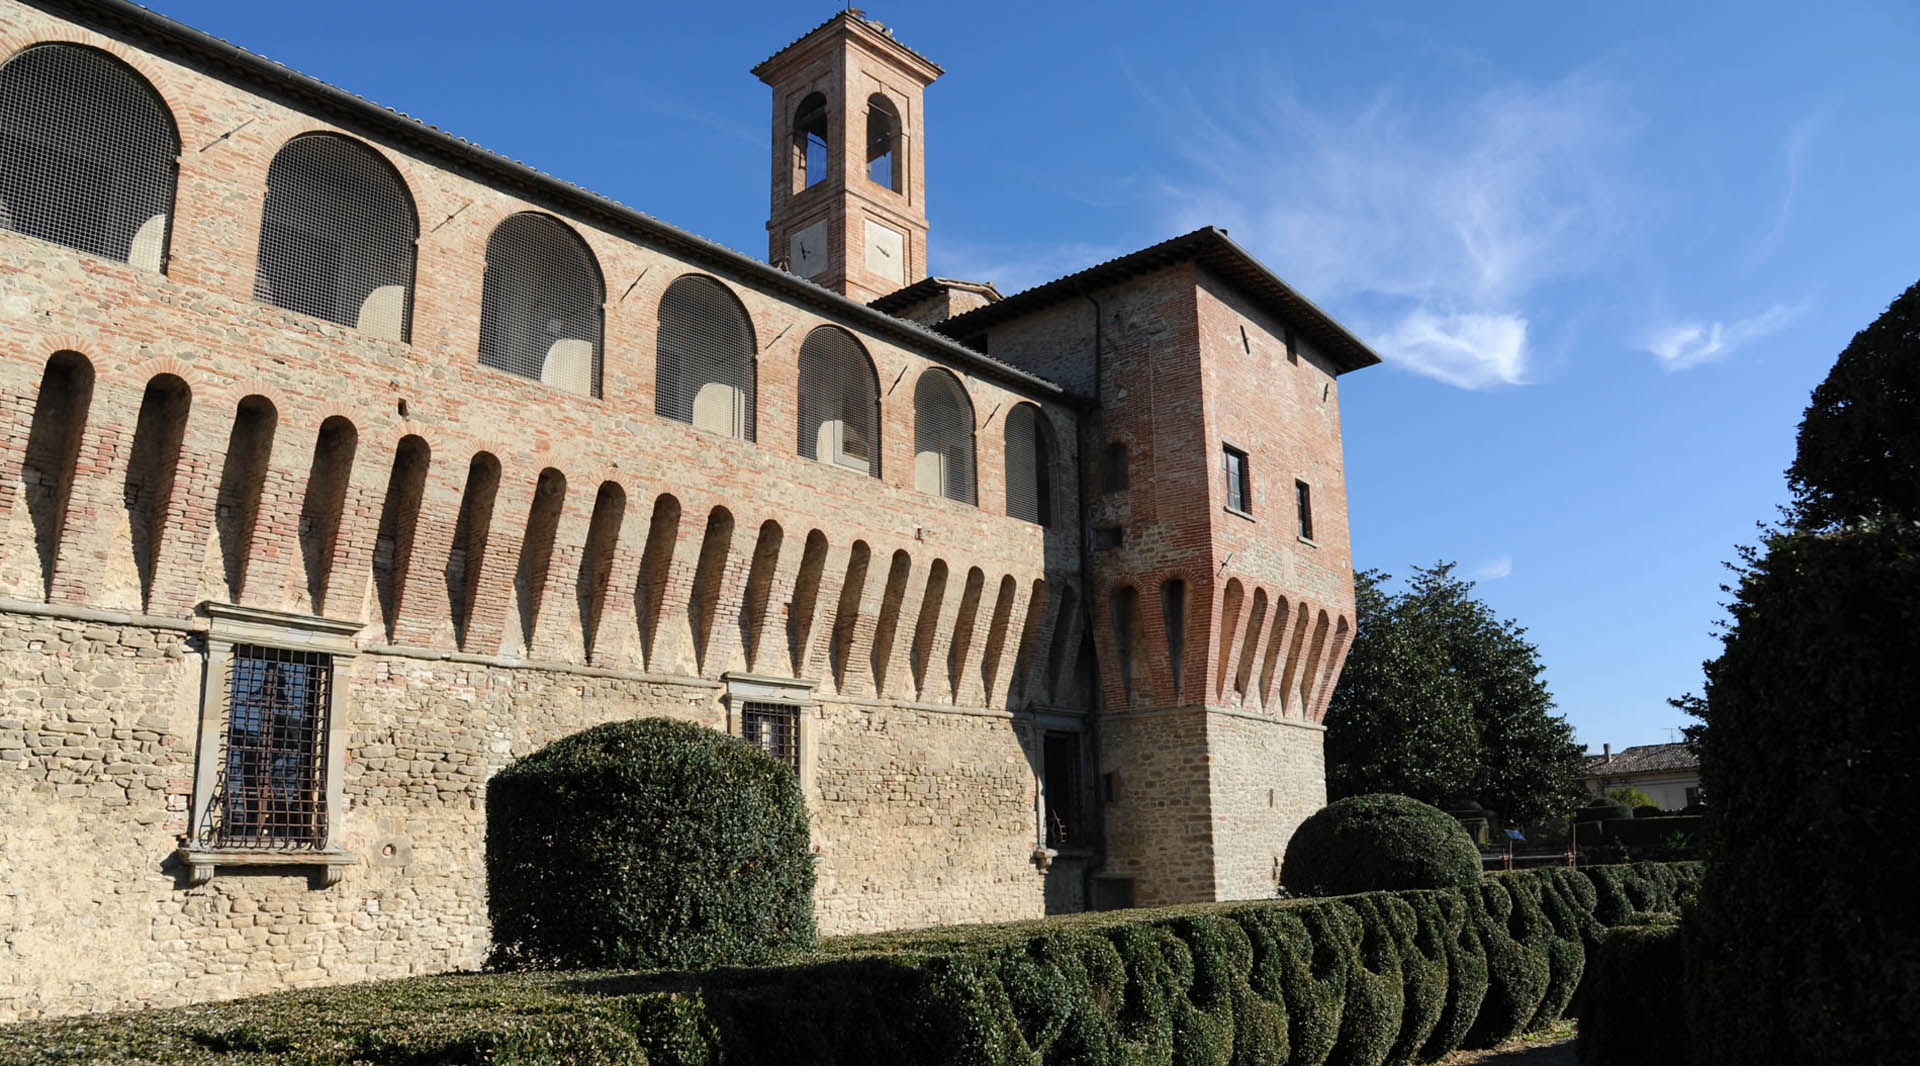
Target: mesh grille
<point x="1029" y="467"/>
<point x="839" y="401"/>
<point x="337" y="236"/>
<point x="272" y="788"/>
<point x="943" y="437"/>
<point x="775" y="729"/>
<point x="540" y="304"/>
<point x="705" y="374"/>
<point x="87" y="153"/>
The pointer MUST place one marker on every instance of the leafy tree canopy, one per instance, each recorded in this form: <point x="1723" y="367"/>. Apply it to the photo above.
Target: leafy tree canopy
<point x="1859" y="449"/>
<point x="1443" y="701"/>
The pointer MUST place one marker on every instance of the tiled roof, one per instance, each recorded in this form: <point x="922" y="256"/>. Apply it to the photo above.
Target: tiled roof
<point x="895" y="301"/>
<point x="351" y="110"/>
<point x="1213" y="250"/>
<point x="1644" y="758"/>
<point x="854" y="13"/>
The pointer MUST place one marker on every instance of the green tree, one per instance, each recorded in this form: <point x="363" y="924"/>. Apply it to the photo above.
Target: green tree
<point x="1442" y="700"/>
<point x="1859" y="447"/>
<point x="1798" y="949"/>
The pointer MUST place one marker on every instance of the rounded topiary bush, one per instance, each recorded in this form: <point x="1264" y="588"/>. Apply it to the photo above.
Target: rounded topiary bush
<point x="1380" y="841"/>
<point x="648" y="843"/>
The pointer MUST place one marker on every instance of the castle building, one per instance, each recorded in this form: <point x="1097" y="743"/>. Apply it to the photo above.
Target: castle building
<point x="343" y="461"/>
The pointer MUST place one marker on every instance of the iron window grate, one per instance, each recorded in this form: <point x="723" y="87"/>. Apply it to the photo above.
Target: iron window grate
<point x="704" y="374"/>
<point x="839" y="401"/>
<point x="540" y="304"/>
<point x="272" y="786"/>
<point x="775" y="729"/>
<point x="337" y="236"/>
<point x="87" y="154"/>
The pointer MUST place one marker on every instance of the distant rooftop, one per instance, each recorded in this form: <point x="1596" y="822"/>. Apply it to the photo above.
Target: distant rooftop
<point x="1644" y="758"/>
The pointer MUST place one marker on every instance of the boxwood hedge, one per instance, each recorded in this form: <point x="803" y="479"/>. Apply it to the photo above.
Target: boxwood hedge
<point x="1350" y="981"/>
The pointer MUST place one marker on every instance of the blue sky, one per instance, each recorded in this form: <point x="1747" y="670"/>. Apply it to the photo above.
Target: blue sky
<point x="1606" y="252"/>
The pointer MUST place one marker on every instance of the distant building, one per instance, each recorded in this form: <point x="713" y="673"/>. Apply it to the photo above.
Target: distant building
<point x="1669" y="773"/>
<point x="343" y="461"/>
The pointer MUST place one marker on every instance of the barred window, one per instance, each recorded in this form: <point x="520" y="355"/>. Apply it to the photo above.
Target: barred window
<point x="839" y="402"/>
<point x="942" y="437"/>
<point x="540" y="304"/>
<point x="337" y="236"/>
<point x="272" y="786"/>
<point x="88" y="154"/>
<point x="1029" y="466"/>
<point x="704" y="373"/>
<point x="775" y="729"/>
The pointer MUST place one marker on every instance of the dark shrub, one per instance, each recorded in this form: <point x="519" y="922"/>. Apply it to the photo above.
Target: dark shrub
<point x="1600" y="810"/>
<point x="1370" y="1020"/>
<point x="1648" y="810"/>
<point x="1378" y="842"/>
<point x="649" y="843"/>
<point x="1518" y="971"/>
<point x="1804" y="953"/>
<point x="1466" y="975"/>
<point x="1420" y="936"/>
<point x="1634" y="1006"/>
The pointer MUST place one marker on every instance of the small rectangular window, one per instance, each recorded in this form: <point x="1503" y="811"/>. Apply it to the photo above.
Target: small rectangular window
<point x="1293" y="347"/>
<point x="1239" y="488"/>
<point x="1113" y="468"/>
<point x="1062" y="791"/>
<point x="775" y="729"/>
<point x="272" y="791"/>
<point x="1305" y="497"/>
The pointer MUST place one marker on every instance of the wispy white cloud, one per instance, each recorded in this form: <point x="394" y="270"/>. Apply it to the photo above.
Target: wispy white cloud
<point x="1432" y="223"/>
<point x="1799" y="139"/>
<point x="1683" y="345"/>
<point x="1494" y="569"/>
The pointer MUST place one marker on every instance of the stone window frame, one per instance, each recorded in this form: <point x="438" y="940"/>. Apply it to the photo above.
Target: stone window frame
<point x="229" y="625"/>
<point x="744" y="688"/>
<point x="1035" y="731"/>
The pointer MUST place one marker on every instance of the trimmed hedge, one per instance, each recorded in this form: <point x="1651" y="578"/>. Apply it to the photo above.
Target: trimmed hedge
<point x="647" y="843"/>
<point x="1635" y="1008"/>
<point x="1378" y="842"/>
<point x="1384" y="977"/>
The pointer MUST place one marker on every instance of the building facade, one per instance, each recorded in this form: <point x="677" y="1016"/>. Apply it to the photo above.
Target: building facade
<point x="342" y="462"/>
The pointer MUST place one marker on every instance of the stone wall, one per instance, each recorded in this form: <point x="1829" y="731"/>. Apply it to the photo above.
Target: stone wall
<point x="921" y="815"/>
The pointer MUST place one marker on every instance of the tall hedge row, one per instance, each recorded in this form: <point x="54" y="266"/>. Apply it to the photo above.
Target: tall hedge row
<point x="1362" y="980"/>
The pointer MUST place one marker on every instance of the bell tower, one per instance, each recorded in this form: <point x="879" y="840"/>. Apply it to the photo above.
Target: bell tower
<point x="849" y="171"/>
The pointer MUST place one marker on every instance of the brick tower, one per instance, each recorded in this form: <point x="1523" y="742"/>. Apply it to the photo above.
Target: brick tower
<point x="849" y="173"/>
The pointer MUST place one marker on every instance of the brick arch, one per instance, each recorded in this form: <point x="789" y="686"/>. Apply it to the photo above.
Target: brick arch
<point x="161" y="78"/>
<point x="146" y="370"/>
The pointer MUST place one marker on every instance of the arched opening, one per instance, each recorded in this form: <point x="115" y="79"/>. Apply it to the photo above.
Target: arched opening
<point x="839" y="402"/>
<point x="806" y="600"/>
<point x="152" y="468"/>
<point x="326" y="503"/>
<point x="337" y="236"/>
<point x="242" y="479"/>
<point x="810" y="142"/>
<point x="399" y="523"/>
<point x="704" y="366"/>
<point x="884" y="156"/>
<point x="1029" y="465"/>
<point x="90" y="154"/>
<point x="466" y="562"/>
<point x="942" y="437"/>
<point x="540" y="304"/>
<point x="596" y="560"/>
<point x="53" y="453"/>
<point x="760" y="575"/>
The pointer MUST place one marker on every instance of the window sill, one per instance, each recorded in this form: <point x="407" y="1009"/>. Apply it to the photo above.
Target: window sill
<point x="1237" y="513"/>
<point x="200" y="862"/>
<point x="1308" y="542"/>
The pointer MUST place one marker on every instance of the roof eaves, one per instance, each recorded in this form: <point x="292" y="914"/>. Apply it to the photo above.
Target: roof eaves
<point x="402" y="127"/>
<point x="1211" y="248"/>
